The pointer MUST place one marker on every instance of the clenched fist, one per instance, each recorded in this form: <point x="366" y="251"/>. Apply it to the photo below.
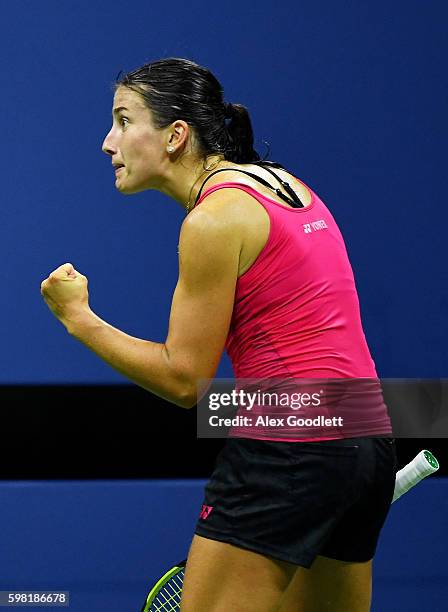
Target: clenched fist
<point x="65" y="292"/>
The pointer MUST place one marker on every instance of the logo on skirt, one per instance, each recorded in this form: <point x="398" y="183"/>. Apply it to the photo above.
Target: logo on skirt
<point x="205" y="512"/>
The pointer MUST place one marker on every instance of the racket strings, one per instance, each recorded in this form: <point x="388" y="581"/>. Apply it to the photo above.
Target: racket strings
<point x="168" y="599"/>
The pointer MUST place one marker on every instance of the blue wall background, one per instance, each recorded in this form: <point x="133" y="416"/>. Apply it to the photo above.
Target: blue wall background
<point x="351" y="96"/>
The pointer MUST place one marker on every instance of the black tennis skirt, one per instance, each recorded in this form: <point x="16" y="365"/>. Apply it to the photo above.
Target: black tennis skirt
<point x="293" y="501"/>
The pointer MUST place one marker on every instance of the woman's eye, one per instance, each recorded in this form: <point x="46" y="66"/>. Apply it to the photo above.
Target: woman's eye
<point x="124" y="121"/>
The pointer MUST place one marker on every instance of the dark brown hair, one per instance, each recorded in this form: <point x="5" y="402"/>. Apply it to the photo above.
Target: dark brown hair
<point x="176" y="88"/>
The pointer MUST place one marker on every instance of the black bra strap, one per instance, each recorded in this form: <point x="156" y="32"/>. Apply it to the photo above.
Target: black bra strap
<point x="285" y="185"/>
<point x="293" y="200"/>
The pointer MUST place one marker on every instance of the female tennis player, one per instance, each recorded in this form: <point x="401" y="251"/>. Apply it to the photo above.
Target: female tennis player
<point x="263" y="271"/>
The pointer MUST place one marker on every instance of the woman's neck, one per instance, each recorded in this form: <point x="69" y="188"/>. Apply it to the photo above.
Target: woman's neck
<point x="184" y="178"/>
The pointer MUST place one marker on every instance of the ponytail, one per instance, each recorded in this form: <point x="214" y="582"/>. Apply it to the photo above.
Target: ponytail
<point x="240" y="137"/>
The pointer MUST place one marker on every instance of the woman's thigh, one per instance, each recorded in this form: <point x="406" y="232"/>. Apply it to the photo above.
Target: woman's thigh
<point x="220" y="577"/>
<point x="329" y="586"/>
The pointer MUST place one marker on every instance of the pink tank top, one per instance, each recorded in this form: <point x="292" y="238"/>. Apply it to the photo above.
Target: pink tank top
<point x="296" y="312"/>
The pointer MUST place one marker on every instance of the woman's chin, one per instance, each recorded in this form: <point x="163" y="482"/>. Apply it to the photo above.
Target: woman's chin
<point x="124" y="188"/>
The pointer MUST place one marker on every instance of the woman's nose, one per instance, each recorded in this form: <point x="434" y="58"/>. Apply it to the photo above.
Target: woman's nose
<point x="108" y="146"/>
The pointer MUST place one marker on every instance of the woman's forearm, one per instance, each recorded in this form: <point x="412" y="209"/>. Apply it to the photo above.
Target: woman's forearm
<point x="144" y="362"/>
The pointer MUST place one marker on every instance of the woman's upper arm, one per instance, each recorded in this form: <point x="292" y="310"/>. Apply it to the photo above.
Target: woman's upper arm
<point x="202" y="305"/>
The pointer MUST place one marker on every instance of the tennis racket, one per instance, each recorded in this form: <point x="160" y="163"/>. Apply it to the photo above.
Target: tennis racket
<point x="166" y="593"/>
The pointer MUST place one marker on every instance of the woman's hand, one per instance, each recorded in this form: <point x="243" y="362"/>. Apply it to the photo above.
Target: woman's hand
<point x="66" y="295"/>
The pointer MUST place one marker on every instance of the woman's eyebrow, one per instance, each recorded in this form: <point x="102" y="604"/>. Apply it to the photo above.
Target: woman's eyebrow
<point x="118" y="109"/>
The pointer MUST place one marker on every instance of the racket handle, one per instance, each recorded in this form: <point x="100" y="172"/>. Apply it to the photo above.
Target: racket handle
<point x="420" y="467"/>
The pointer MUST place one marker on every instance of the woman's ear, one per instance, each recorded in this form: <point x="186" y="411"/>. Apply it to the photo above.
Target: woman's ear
<point x="179" y="133"/>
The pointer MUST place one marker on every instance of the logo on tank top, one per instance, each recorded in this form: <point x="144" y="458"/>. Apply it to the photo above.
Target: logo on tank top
<point x="314" y="226"/>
